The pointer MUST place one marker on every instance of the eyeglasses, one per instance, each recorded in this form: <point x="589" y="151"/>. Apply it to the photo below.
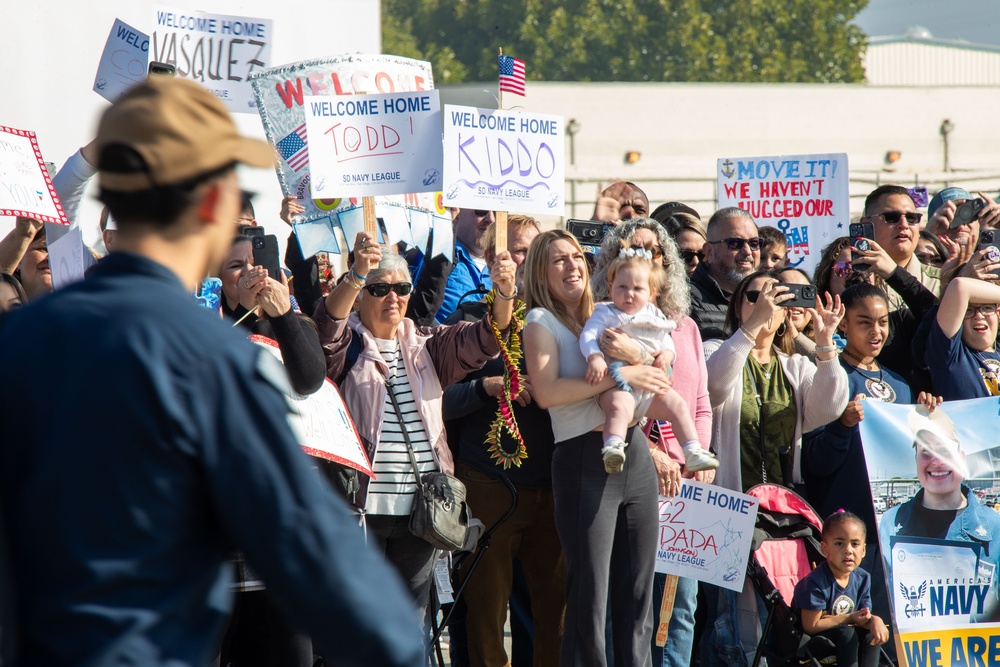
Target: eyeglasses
<point x="481" y="214"/>
<point x="985" y="310"/>
<point x="689" y="255"/>
<point x="752" y="295"/>
<point x="379" y="290"/>
<point x="843" y="269"/>
<point x="893" y="217"/>
<point x="736" y="243"/>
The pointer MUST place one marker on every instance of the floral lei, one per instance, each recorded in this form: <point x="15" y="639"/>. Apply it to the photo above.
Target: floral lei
<point x="510" y="352"/>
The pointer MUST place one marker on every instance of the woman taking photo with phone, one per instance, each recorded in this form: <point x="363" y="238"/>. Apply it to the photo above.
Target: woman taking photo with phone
<point x="764" y="400"/>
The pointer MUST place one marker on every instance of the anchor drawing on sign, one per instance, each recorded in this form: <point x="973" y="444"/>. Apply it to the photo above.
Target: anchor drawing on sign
<point x="727" y="169"/>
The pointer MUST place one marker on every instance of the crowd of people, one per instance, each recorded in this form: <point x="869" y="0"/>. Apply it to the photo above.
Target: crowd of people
<point x="162" y="475"/>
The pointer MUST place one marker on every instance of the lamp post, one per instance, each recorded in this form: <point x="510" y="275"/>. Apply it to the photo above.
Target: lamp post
<point x="946" y="128"/>
<point x="572" y="127"/>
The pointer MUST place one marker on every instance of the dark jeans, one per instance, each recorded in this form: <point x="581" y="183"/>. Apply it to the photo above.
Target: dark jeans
<point x="412" y="557"/>
<point x="853" y="647"/>
<point x="259" y="636"/>
<point x="529" y="534"/>
<point x="607" y="526"/>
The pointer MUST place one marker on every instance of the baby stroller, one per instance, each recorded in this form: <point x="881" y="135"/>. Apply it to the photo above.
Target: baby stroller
<point x="785" y="549"/>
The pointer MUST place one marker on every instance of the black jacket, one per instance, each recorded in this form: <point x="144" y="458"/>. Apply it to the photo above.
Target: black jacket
<point x="708" y="304"/>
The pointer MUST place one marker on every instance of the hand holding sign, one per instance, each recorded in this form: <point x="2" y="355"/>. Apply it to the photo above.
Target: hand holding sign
<point x="367" y="254"/>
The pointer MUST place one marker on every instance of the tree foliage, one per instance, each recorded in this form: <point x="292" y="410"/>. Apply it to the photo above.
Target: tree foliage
<point x="632" y="40"/>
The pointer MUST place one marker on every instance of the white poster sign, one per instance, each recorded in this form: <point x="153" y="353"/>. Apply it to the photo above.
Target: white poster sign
<point x="805" y="196"/>
<point x="26" y="188"/>
<point x="124" y="61"/>
<point x="705" y="533"/>
<point x="503" y="160"/>
<point x="68" y="256"/>
<point x="325" y="426"/>
<point x="281" y="93"/>
<point x="366" y="145"/>
<point x="218" y="51"/>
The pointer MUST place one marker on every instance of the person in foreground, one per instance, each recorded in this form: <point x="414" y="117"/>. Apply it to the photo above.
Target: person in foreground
<point x="119" y="529"/>
<point x="606" y="523"/>
<point x="834" y="600"/>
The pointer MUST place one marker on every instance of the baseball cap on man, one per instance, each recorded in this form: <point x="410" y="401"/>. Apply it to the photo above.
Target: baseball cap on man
<point x="948" y="194"/>
<point x="181" y="131"/>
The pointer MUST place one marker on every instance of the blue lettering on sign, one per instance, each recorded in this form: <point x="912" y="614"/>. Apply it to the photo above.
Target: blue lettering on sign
<point x="406" y="105"/>
<point x="133" y="38"/>
<point x="926" y="653"/>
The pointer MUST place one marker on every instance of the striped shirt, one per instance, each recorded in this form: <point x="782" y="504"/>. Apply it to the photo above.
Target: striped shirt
<point x="393" y="491"/>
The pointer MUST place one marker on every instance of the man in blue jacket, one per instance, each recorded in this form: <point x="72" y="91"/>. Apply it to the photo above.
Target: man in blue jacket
<point x="119" y="528"/>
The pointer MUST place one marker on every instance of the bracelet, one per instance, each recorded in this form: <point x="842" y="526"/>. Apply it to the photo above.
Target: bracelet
<point x="826" y="348"/>
<point x="615" y="371"/>
<point x="506" y="298"/>
<point x="360" y="279"/>
<point x="747" y="333"/>
<point x="353" y="282"/>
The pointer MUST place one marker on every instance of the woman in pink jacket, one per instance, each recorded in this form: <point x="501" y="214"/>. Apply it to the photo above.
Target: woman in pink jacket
<point x="398" y="360"/>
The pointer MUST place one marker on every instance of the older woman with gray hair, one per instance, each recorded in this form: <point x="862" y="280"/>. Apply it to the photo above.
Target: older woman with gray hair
<point x="690" y="380"/>
<point x="391" y="374"/>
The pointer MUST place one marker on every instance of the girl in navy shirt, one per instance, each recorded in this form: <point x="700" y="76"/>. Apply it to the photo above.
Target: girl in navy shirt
<point x="834" y="600"/>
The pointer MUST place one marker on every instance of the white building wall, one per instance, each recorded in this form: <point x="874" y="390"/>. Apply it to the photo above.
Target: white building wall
<point x="681" y="129"/>
<point x="908" y="62"/>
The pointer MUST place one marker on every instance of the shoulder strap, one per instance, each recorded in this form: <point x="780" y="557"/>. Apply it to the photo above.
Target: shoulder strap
<point x="353" y="352"/>
<point x="406" y="434"/>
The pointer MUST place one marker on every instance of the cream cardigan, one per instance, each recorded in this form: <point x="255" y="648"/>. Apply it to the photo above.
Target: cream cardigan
<point x="821" y="395"/>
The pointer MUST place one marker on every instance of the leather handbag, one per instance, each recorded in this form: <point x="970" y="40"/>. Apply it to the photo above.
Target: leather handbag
<point x="440" y="514"/>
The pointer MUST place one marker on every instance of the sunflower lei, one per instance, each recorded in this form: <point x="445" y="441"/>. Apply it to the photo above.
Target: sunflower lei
<point x="510" y="352"/>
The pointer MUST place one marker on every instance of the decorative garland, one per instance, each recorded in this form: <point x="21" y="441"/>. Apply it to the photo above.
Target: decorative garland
<point x="510" y="352"/>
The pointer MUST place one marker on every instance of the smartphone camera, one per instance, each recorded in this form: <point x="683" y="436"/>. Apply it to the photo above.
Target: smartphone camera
<point x="967" y="212"/>
<point x="258" y="242"/>
<point x="990" y="240"/>
<point x="162" y="68"/>
<point x="588" y="232"/>
<point x="860" y="233"/>
<point x="804" y="296"/>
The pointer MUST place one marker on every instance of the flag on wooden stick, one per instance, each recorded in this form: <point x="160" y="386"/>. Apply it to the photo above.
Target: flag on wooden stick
<point x="511" y="75"/>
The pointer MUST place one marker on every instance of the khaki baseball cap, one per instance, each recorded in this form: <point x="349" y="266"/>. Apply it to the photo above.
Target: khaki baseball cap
<point x="180" y="129"/>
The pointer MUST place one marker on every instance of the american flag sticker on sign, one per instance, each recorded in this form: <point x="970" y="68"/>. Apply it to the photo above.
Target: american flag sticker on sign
<point x="293" y="148"/>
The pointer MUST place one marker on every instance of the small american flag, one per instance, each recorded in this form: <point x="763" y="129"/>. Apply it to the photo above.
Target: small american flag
<point x="511" y="75"/>
<point x="293" y="148"/>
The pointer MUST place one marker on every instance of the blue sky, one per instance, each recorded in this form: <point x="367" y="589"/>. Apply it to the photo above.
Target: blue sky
<point x="976" y="21"/>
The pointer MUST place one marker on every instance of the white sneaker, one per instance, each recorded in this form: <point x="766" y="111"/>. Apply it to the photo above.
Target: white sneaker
<point x="614" y="456"/>
<point x="699" y="459"/>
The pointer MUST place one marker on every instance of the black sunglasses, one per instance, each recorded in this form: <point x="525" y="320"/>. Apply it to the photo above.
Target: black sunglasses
<point x="893" y="217"/>
<point x="481" y="214"/>
<point x="751" y="295"/>
<point x="688" y="255"/>
<point x="379" y="290"/>
<point x="736" y="243"/>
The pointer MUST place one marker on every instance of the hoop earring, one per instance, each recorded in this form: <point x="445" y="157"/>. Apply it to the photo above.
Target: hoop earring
<point x="769" y="323"/>
<point x="781" y="331"/>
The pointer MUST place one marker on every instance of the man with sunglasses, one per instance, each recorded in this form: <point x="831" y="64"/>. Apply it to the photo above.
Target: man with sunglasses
<point x="470" y="272"/>
<point x="893" y="215"/>
<point x="119" y="529"/>
<point x="732" y="252"/>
